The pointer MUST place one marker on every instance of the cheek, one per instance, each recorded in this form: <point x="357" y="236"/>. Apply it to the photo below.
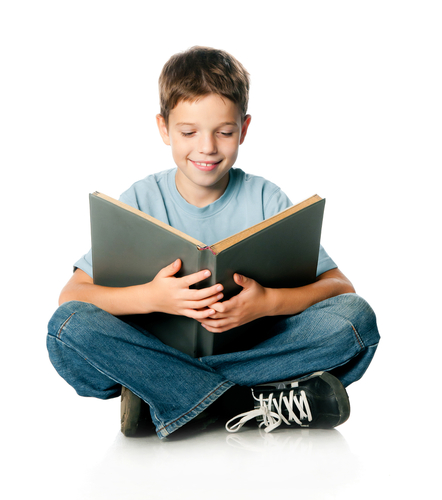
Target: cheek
<point x="229" y="146"/>
<point x="232" y="152"/>
<point x="179" y="151"/>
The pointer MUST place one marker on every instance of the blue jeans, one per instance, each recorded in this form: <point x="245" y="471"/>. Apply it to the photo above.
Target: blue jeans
<point x="97" y="353"/>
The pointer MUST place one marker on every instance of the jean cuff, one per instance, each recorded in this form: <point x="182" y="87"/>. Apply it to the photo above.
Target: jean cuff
<point x="167" y="429"/>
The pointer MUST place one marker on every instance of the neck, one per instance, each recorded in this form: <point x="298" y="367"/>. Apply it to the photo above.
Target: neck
<point x="200" y="196"/>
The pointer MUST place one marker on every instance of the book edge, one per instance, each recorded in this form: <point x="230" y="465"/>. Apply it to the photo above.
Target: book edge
<point x="256" y="228"/>
<point x="148" y="217"/>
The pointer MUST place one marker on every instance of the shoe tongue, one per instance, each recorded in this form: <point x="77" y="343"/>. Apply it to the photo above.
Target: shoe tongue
<point x="285" y="385"/>
<point x="280" y="385"/>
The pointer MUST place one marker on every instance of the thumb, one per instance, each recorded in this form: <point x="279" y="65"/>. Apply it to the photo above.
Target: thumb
<point x="242" y="280"/>
<point x="170" y="270"/>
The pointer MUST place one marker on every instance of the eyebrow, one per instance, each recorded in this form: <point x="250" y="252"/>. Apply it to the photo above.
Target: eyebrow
<point x="180" y="124"/>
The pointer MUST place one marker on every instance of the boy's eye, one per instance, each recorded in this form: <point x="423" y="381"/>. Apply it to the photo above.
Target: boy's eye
<point x="189" y="134"/>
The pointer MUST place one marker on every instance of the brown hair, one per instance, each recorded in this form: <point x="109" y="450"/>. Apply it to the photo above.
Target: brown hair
<point x="199" y="71"/>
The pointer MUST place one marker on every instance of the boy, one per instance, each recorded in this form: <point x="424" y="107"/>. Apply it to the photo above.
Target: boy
<point x="323" y="336"/>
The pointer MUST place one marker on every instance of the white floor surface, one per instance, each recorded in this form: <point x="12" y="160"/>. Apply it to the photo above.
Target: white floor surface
<point x="63" y="446"/>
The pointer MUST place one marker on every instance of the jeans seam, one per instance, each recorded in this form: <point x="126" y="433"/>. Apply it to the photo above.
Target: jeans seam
<point x="63" y="325"/>
<point x="358" y="337"/>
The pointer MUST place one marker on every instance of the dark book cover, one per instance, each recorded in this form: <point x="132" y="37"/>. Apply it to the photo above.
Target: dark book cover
<point x="130" y="247"/>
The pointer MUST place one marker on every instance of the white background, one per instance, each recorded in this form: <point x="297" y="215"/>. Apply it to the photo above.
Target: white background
<point x="345" y="102"/>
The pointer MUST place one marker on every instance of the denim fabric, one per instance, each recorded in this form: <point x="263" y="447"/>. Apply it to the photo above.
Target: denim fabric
<point x="96" y="353"/>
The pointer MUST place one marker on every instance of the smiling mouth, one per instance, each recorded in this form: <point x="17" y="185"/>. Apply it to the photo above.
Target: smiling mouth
<point x="206" y="165"/>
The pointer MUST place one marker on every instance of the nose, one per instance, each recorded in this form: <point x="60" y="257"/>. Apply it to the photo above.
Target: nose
<point x="207" y="144"/>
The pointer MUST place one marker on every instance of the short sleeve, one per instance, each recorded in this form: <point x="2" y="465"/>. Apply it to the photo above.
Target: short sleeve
<point x="325" y="262"/>
<point x="85" y="264"/>
<point x="130" y="198"/>
<point x="276" y="202"/>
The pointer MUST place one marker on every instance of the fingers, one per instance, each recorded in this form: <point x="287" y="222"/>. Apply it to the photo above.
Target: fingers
<point x="179" y="297"/>
<point x="203" y="303"/>
<point x="248" y="305"/>
<point x="170" y="270"/>
<point x="189" y="280"/>
<point x="199" y="314"/>
<point x="192" y="279"/>
<point x="221" y="307"/>
<point x="217" y="326"/>
<point x="212" y="293"/>
<point x="221" y="319"/>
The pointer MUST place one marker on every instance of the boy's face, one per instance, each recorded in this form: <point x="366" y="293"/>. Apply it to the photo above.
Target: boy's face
<point x="204" y="136"/>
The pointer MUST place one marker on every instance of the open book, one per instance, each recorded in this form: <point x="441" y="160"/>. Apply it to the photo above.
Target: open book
<point x="130" y="247"/>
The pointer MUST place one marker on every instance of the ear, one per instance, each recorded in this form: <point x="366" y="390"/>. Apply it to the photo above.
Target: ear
<point x="244" y="128"/>
<point x="162" y="127"/>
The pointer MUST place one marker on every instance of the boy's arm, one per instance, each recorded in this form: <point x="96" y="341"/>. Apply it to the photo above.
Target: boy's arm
<point x="254" y="301"/>
<point x="165" y="293"/>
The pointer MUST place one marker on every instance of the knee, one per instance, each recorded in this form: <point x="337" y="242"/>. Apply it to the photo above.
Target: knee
<point x="70" y="344"/>
<point x="361" y="315"/>
<point x="70" y="328"/>
<point x="65" y="313"/>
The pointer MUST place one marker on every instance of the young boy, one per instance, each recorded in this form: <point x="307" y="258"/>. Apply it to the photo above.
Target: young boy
<point x="323" y="336"/>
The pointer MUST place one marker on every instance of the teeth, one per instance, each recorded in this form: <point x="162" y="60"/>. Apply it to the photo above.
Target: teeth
<point x="205" y="164"/>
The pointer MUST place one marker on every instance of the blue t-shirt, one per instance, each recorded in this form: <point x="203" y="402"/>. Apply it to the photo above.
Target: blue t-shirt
<point x="248" y="199"/>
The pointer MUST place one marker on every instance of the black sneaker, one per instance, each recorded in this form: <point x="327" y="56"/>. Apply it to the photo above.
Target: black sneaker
<point x="318" y="401"/>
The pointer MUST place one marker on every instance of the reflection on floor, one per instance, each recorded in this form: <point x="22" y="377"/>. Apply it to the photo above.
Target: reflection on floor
<point x="70" y="448"/>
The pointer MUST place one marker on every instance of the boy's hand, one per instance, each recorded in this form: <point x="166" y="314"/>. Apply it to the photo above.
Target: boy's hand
<point x="250" y="304"/>
<point x="174" y="296"/>
<point x="254" y="301"/>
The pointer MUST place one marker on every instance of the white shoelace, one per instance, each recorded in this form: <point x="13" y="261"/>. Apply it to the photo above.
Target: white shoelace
<point x="273" y="419"/>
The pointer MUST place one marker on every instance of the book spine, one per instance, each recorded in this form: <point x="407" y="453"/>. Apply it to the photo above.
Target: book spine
<point x="207" y="260"/>
<point x="207" y="248"/>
